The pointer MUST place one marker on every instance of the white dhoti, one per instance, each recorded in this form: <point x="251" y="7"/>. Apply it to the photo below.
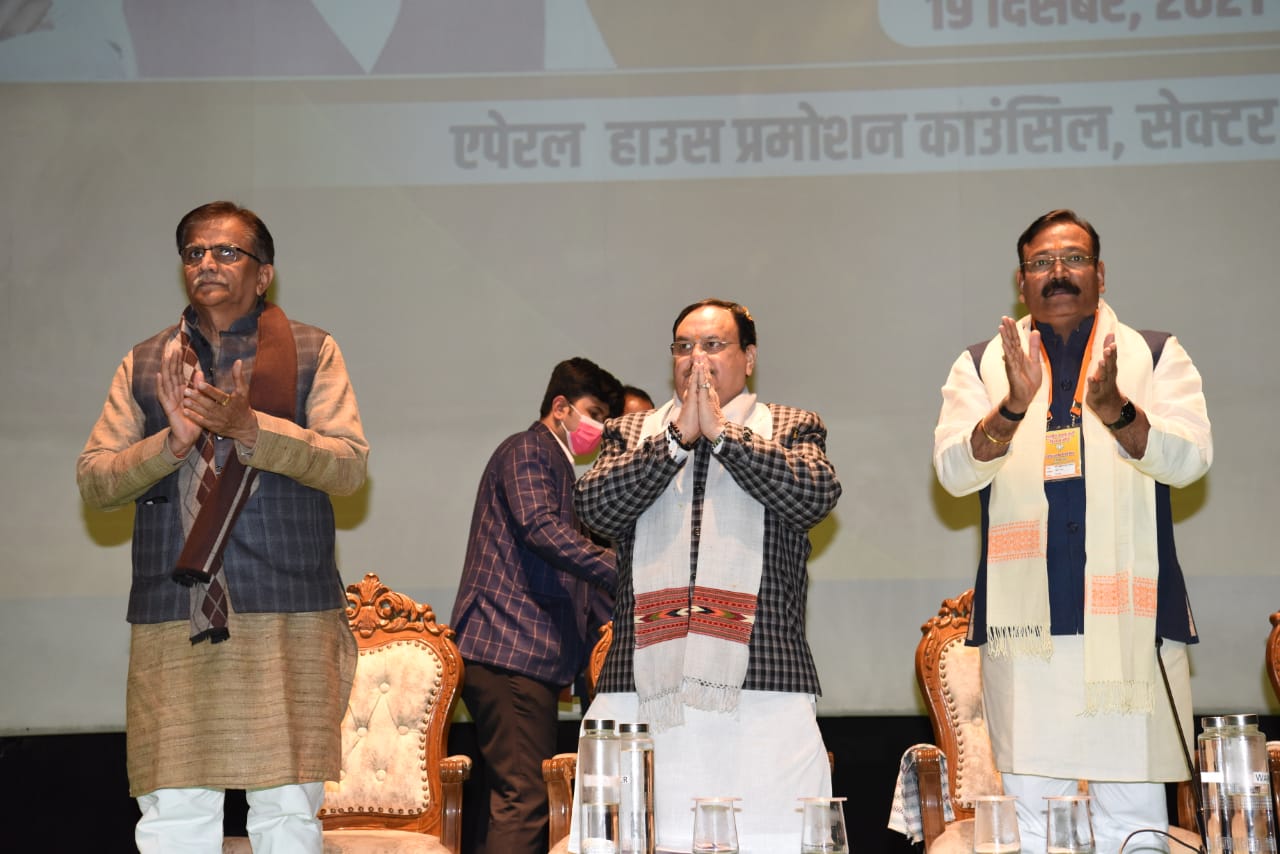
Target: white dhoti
<point x="769" y="753"/>
<point x="1035" y="715"/>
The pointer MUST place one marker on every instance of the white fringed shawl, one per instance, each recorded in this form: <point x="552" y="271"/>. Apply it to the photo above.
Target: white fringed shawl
<point x="1120" y="539"/>
<point x="691" y="638"/>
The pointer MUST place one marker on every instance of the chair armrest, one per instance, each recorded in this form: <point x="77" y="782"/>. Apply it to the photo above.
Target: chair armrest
<point x="929" y="779"/>
<point x="453" y="771"/>
<point x="1273" y="755"/>
<point x="1188" y="815"/>
<point x="558" y="772"/>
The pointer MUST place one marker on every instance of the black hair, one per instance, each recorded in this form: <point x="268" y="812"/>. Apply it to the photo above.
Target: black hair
<point x="636" y="391"/>
<point x="1054" y="218"/>
<point x="577" y="377"/>
<point x="741" y="316"/>
<point x="264" y="247"/>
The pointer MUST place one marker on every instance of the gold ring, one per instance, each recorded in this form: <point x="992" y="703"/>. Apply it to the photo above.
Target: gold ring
<point x="225" y="401"/>
<point x="706" y="385"/>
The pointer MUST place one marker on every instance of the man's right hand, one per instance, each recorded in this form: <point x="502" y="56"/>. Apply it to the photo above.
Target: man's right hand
<point x="688" y="421"/>
<point x="183" y="432"/>
<point x="1022" y="367"/>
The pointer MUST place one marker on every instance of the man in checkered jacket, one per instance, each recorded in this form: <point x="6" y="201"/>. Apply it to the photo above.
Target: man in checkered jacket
<point x="710" y="499"/>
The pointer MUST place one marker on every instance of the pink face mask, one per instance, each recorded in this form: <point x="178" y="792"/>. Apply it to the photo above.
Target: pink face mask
<point x="586" y="438"/>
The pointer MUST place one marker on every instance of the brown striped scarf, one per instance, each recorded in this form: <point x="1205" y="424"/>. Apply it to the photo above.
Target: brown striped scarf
<point x="214" y="500"/>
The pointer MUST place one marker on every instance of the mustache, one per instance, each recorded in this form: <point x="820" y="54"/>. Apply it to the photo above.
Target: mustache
<point x="1059" y="286"/>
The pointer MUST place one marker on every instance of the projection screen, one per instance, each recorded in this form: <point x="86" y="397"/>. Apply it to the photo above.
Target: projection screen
<point x="465" y="192"/>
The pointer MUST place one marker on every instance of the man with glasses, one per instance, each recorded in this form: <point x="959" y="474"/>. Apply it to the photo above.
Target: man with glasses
<point x="1072" y="426"/>
<point x="228" y="432"/>
<point x="710" y="499"/>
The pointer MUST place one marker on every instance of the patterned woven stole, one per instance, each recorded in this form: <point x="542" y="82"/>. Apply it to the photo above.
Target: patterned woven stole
<point x="692" y="639"/>
<point x="211" y="508"/>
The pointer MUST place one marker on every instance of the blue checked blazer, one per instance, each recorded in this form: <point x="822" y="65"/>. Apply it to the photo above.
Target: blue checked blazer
<point x="789" y="474"/>
<point x="524" y="599"/>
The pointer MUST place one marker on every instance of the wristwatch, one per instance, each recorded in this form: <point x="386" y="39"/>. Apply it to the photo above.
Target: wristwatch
<point x="1128" y="412"/>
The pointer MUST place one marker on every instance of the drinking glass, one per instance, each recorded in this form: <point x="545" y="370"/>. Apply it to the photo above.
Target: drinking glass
<point x="823" y="831"/>
<point x="714" y="827"/>
<point x="1070" y="825"/>
<point x="995" y="825"/>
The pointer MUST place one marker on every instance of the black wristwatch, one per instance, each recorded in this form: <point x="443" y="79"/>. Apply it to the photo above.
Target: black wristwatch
<point x="1128" y="413"/>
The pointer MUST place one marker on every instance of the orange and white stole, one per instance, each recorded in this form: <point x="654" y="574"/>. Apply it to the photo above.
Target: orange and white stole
<point x="1120" y="540"/>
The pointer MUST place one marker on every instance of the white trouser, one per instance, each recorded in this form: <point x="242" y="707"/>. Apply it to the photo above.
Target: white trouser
<point x="721" y="754"/>
<point x="282" y="820"/>
<point x="1118" y="810"/>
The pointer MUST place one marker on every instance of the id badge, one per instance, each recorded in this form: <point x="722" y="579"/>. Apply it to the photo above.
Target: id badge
<point x="1062" y="459"/>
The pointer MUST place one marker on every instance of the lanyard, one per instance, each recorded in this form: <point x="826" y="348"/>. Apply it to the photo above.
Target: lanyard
<point x="1076" y="407"/>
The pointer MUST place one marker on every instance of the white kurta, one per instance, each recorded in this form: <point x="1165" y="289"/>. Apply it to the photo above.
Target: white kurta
<point x="769" y="753"/>
<point x="1035" y="715"/>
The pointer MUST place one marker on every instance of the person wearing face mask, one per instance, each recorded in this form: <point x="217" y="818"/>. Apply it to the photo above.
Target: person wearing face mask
<point x="523" y="603"/>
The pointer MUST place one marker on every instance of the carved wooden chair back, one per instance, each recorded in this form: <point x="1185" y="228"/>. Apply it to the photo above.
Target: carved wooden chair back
<point x="395" y="774"/>
<point x="949" y="675"/>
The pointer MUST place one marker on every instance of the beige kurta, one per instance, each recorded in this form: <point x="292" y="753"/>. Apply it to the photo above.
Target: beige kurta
<point x="264" y="707"/>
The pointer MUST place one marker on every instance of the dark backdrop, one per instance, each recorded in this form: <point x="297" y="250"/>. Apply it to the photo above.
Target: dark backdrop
<point x="69" y="792"/>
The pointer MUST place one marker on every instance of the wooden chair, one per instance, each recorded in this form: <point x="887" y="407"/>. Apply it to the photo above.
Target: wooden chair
<point x="559" y="770"/>
<point x="398" y="791"/>
<point x="1273" y="654"/>
<point x="1273" y="671"/>
<point x="950" y="678"/>
<point x="595" y="663"/>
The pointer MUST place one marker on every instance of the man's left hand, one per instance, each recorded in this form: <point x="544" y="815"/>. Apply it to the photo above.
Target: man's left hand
<point x="711" y="420"/>
<point x="221" y="413"/>
<point x="1102" y="395"/>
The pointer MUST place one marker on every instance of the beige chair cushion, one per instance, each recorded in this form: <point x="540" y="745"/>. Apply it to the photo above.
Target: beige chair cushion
<point x="1188" y="836"/>
<point x="960" y="670"/>
<point x="956" y="839"/>
<point x="359" y="842"/>
<point x="381" y="842"/>
<point x="395" y="687"/>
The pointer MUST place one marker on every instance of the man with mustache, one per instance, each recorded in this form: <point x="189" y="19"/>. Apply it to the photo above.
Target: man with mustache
<point x="1072" y="427"/>
<point x="228" y="432"/>
<point x="710" y="499"/>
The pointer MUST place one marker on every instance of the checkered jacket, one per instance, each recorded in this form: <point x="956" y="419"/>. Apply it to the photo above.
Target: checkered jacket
<point x="523" y="602"/>
<point x="789" y="474"/>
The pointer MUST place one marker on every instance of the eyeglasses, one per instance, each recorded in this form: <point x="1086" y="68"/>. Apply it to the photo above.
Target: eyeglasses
<point x="710" y="346"/>
<point x="1071" y="262"/>
<point x="223" y="253"/>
